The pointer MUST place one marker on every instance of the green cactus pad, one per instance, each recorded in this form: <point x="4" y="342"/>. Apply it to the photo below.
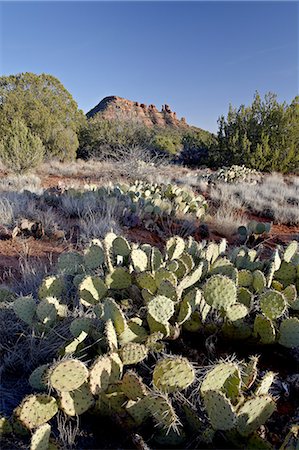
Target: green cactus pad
<point x="156" y="259"/>
<point x="68" y="375"/>
<point x="40" y="438"/>
<point x="286" y="274"/>
<point x="184" y="312"/>
<point x="139" y="260"/>
<point x="99" y="377"/>
<point x="162" y="411"/>
<point x="92" y="290"/>
<point x="167" y="289"/>
<point x="24" y="308"/>
<point x="35" y="410"/>
<point x="259" y="281"/>
<point x="289" y="333"/>
<point x="245" y="278"/>
<point x="190" y="279"/>
<point x="74" y="345"/>
<point x="245" y="297"/>
<point x="133" y="353"/>
<point x="70" y="263"/>
<point x="175" y="246"/>
<point x="220" y="410"/>
<point x="194" y="323"/>
<point x="272" y="304"/>
<point x="173" y="374"/>
<point x="254" y="413"/>
<point x="112" y="311"/>
<point x="138" y="410"/>
<point x="290" y="294"/>
<point x="164" y="274"/>
<point x="111" y="336"/>
<point x="236" y="312"/>
<point x="290" y="251"/>
<point x="147" y="281"/>
<point x="38" y="379"/>
<point x="220" y="292"/>
<point x="51" y="287"/>
<point x="94" y="257"/>
<point x="265" y="384"/>
<point x="223" y="377"/>
<point x="117" y="368"/>
<point x="264" y="328"/>
<point x="5" y="427"/>
<point x="47" y="310"/>
<point x="133" y="386"/>
<point x="78" y="401"/>
<point x="121" y="246"/>
<point x="120" y="278"/>
<point x="161" y="309"/>
<point x="80" y="324"/>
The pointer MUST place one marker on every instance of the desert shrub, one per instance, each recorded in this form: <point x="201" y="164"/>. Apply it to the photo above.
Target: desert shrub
<point x="197" y="148"/>
<point x="20" y="149"/>
<point x="102" y="138"/>
<point x="46" y="107"/>
<point x="167" y="141"/>
<point x="263" y="136"/>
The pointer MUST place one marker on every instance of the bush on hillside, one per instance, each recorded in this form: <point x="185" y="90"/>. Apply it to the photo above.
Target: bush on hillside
<point x="20" y="149"/>
<point x="46" y="107"/>
<point x="263" y="136"/>
<point x="197" y="149"/>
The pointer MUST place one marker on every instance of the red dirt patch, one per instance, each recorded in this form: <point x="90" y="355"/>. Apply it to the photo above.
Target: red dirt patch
<point x="41" y="252"/>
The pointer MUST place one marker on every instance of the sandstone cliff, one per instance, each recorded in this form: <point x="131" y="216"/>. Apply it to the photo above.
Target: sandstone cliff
<point x="114" y="107"/>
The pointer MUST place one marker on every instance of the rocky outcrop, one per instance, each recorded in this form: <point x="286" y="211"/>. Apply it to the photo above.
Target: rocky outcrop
<point x="116" y="107"/>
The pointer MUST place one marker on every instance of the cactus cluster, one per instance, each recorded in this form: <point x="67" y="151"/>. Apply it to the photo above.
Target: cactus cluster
<point x="254" y="230"/>
<point x="123" y="304"/>
<point x="232" y="174"/>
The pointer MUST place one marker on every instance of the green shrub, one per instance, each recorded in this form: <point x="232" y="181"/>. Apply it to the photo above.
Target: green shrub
<point x="20" y="149"/>
<point x="46" y="107"/>
<point x="263" y="136"/>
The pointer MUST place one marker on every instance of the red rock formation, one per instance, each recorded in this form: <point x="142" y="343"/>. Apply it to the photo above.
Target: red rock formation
<point x="116" y="107"/>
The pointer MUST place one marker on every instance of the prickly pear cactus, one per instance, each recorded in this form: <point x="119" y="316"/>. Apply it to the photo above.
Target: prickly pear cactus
<point x="173" y="374"/>
<point x="67" y="375"/>
<point x="35" y="410"/>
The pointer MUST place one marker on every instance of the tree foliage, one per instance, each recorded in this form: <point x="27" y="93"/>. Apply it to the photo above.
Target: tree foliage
<point x="20" y="149"/>
<point x="263" y="136"/>
<point x="47" y="109"/>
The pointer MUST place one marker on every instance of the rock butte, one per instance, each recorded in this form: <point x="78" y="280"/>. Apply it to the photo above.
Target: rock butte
<point x="113" y="107"/>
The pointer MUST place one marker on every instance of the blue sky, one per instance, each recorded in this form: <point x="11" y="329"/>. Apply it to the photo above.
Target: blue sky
<point x="196" y="56"/>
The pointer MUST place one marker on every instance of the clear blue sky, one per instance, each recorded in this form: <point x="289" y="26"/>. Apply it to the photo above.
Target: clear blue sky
<point x="196" y="56"/>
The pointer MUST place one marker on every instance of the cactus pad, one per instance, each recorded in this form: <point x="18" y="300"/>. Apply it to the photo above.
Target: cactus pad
<point x="132" y="385"/>
<point x="161" y="309"/>
<point x="111" y="336"/>
<point x="100" y="375"/>
<point x="133" y="353"/>
<point x="289" y="333"/>
<point x="162" y="411"/>
<point x="35" y="410"/>
<point x="254" y="413"/>
<point x="245" y="278"/>
<point x="112" y="311"/>
<point x="220" y="292"/>
<point x="146" y="281"/>
<point x="91" y="290"/>
<point x="78" y="401"/>
<point x="70" y="263"/>
<point x="80" y="324"/>
<point x="175" y="246"/>
<point x="264" y="328"/>
<point x="121" y="246"/>
<point x="120" y="278"/>
<point x="265" y="384"/>
<point x="40" y="438"/>
<point x="24" y="308"/>
<point x="139" y="260"/>
<point x="272" y="304"/>
<point x="220" y="410"/>
<point x="224" y="377"/>
<point x="68" y="375"/>
<point x="236" y="312"/>
<point x="117" y="368"/>
<point x="173" y="374"/>
<point x="94" y="257"/>
<point x="51" y="287"/>
<point x="138" y="410"/>
<point x="38" y="379"/>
